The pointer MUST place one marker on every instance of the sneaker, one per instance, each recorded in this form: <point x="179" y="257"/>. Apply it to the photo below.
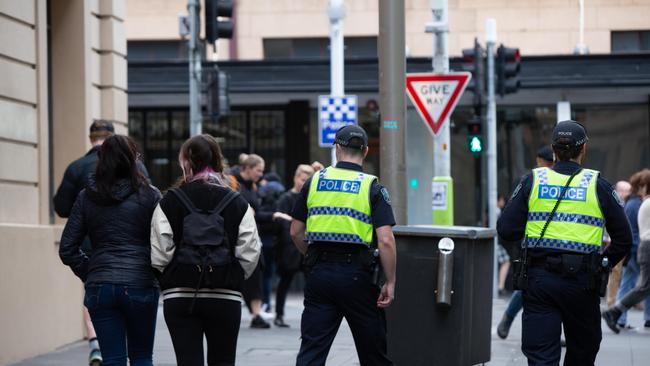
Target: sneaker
<point x="504" y="326"/>
<point x="279" y="322"/>
<point x="95" y="358"/>
<point x="647" y="324"/>
<point x="259" y="323"/>
<point x="611" y="317"/>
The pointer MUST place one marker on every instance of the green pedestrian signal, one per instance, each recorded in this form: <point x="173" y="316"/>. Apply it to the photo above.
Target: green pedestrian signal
<point x="475" y="145"/>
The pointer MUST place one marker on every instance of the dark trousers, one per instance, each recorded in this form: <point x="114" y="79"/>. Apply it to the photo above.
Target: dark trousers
<point x="125" y="321"/>
<point x="334" y="291"/>
<point x="217" y="319"/>
<point x="282" y="291"/>
<point x="267" y="275"/>
<point x="552" y="301"/>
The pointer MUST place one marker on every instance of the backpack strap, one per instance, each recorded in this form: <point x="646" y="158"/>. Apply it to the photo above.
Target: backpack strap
<point x="229" y="197"/>
<point x="185" y="200"/>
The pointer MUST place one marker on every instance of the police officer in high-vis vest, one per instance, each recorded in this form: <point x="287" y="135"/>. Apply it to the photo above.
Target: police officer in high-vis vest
<point x="564" y="263"/>
<point x="343" y="224"/>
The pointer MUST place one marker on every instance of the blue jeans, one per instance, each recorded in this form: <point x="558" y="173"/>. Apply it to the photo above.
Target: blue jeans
<point x="515" y="304"/>
<point x="125" y="321"/>
<point x="628" y="282"/>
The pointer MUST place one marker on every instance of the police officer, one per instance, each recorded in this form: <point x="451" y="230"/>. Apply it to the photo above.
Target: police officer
<point x="564" y="254"/>
<point x="340" y="218"/>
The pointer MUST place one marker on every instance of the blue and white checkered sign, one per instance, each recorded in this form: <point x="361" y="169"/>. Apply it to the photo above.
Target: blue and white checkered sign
<point x="334" y="113"/>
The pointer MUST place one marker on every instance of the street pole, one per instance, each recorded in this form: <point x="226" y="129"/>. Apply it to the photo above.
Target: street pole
<point x="392" y="95"/>
<point x="193" y="8"/>
<point x="441" y="141"/>
<point x="336" y="13"/>
<point x="491" y="38"/>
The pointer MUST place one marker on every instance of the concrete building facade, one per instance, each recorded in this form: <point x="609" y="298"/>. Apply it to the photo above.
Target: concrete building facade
<point x="62" y="63"/>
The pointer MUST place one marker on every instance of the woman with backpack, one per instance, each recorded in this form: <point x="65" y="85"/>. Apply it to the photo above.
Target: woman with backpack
<point x="122" y="293"/>
<point x="204" y="244"/>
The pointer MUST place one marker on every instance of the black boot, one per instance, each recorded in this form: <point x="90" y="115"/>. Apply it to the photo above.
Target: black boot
<point x="611" y="317"/>
<point x="504" y="326"/>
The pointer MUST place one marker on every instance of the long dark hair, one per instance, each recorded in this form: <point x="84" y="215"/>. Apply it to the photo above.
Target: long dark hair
<point x="118" y="159"/>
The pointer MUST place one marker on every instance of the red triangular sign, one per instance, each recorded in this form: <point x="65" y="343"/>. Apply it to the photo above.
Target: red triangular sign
<point x="435" y="95"/>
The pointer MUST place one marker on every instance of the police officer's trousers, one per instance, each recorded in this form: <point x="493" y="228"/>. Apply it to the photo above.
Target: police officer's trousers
<point x="553" y="300"/>
<point x="334" y="291"/>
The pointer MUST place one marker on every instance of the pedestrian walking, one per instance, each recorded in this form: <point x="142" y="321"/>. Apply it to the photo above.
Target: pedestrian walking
<point x="624" y="189"/>
<point x="252" y="170"/>
<point x="342" y="220"/>
<point x="270" y="191"/>
<point x="562" y="212"/>
<point x="204" y="243"/>
<point x="114" y="211"/>
<point x="632" y="292"/>
<point x="544" y="159"/>
<point x="74" y="180"/>
<point x="288" y="258"/>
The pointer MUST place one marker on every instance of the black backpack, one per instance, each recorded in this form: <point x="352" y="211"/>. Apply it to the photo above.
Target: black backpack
<point x="205" y="242"/>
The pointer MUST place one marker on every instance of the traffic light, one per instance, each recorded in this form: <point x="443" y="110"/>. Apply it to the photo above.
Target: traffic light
<point x="474" y="138"/>
<point x="474" y="62"/>
<point x="507" y="68"/>
<point x="218" y="22"/>
<point x="218" y="94"/>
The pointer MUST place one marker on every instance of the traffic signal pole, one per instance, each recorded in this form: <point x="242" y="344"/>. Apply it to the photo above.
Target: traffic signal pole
<point x="441" y="142"/>
<point x="336" y="13"/>
<point x="491" y="38"/>
<point x="193" y="8"/>
<point x="392" y="87"/>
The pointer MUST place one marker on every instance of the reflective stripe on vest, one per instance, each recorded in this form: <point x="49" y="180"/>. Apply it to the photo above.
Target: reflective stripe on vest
<point x="577" y="225"/>
<point x="338" y="207"/>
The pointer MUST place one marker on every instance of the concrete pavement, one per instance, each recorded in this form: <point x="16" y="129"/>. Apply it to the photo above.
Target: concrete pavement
<point x="279" y="346"/>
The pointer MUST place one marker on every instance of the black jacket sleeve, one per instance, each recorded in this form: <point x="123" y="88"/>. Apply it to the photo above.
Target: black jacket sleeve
<point x="73" y="235"/>
<point x="67" y="193"/>
<point x="616" y="222"/>
<point x="511" y="225"/>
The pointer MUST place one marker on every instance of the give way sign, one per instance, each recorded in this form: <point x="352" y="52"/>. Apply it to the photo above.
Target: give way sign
<point x="435" y="95"/>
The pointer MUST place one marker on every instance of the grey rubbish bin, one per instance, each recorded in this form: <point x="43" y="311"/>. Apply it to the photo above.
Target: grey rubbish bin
<point x="422" y="332"/>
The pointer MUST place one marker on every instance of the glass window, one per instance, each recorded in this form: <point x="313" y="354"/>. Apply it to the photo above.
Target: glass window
<point x="630" y="41"/>
<point x="318" y="48"/>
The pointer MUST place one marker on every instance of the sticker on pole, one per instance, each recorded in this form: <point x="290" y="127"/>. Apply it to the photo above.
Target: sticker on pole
<point x="334" y="113"/>
<point x="435" y="95"/>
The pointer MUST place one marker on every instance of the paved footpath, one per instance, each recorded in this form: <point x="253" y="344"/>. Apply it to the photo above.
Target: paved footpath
<point x="279" y="346"/>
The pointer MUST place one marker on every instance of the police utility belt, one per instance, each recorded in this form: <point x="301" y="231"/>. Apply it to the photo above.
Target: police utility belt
<point x="319" y="253"/>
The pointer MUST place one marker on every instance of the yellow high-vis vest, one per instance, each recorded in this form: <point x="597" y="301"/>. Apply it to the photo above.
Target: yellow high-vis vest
<point x="577" y="225"/>
<point x="338" y="207"/>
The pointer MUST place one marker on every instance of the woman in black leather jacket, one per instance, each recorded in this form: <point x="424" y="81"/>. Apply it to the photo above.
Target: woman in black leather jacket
<point x="115" y="212"/>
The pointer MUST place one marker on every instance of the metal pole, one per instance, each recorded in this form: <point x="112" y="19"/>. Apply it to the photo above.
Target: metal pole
<point x="336" y="14"/>
<point x="491" y="37"/>
<point x="392" y="87"/>
<point x="193" y="8"/>
<point x="440" y="64"/>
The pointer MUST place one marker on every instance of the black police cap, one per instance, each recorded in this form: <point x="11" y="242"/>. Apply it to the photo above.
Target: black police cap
<point x="350" y="135"/>
<point x="568" y="134"/>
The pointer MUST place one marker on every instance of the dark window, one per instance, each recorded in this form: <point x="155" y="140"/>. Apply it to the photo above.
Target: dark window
<point x="630" y="41"/>
<point x="318" y="48"/>
<point x="157" y="50"/>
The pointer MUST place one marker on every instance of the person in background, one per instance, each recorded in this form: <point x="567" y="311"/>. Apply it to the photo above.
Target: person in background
<point x="115" y="212"/>
<point x="623" y="188"/>
<point x="216" y="314"/>
<point x="236" y="169"/>
<point x="252" y="170"/>
<point x="74" y="180"/>
<point x="544" y="159"/>
<point x="503" y="259"/>
<point x="270" y="190"/>
<point x="632" y="267"/>
<point x="289" y="259"/>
